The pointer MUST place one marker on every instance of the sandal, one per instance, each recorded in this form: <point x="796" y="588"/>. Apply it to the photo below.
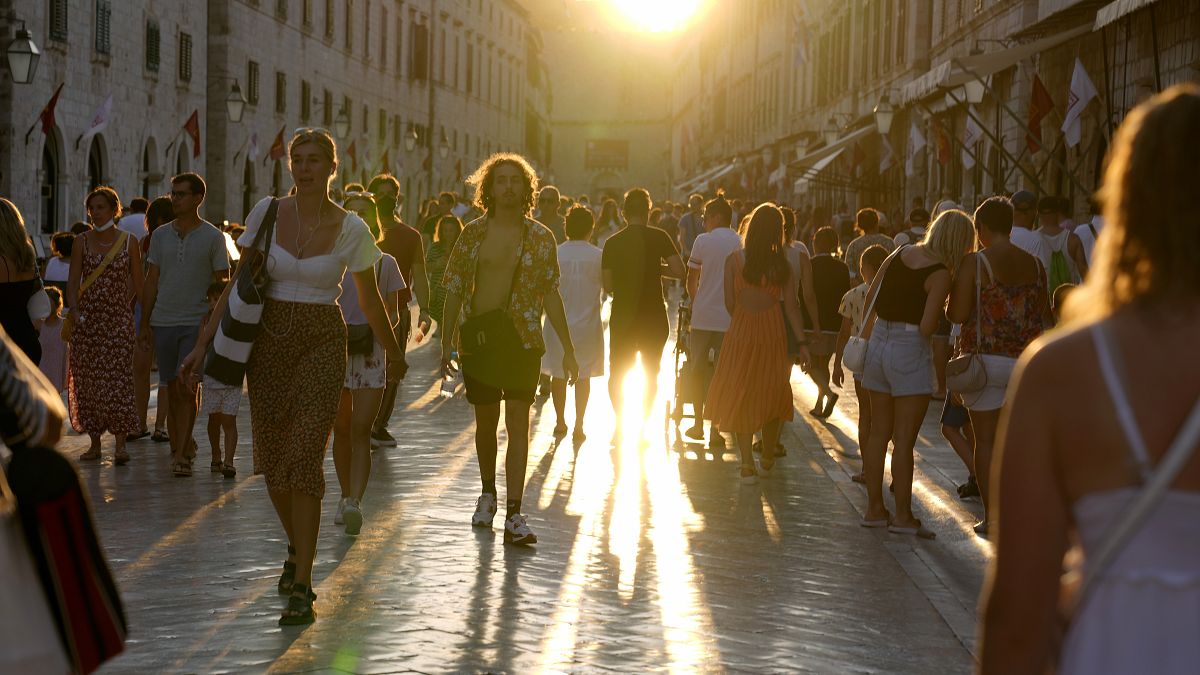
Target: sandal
<point x="137" y="436"/>
<point x="228" y="470"/>
<point x="90" y="453"/>
<point x="160" y="436"/>
<point x="121" y="457"/>
<point x="749" y="478"/>
<point x="181" y="469"/>
<point x="919" y="530"/>
<point x="288" y="578"/>
<point x="299" y="610"/>
<point x="216" y="467"/>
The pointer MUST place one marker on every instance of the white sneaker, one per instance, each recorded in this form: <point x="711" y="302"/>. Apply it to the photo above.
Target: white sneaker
<point x="485" y="510"/>
<point x="353" y="517"/>
<point x="338" y="518"/>
<point x="516" y="531"/>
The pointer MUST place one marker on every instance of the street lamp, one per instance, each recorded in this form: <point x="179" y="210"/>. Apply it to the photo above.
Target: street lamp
<point x="23" y="56"/>
<point x="341" y="124"/>
<point x="884" y="113"/>
<point x="410" y="138"/>
<point x="444" y="146"/>
<point x="235" y="103"/>
<point x="975" y="89"/>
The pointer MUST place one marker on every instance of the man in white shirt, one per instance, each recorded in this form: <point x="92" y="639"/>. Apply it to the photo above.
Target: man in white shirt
<point x="1024" y="205"/>
<point x="710" y="318"/>
<point x="1089" y="232"/>
<point x="134" y="220"/>
<point x="918" y="219"/>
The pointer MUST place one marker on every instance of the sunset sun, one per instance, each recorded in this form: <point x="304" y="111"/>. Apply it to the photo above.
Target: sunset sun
<point x="657" y="15"/>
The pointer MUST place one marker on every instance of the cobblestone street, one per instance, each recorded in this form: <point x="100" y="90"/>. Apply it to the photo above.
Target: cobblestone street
<point x="649" y="559"/>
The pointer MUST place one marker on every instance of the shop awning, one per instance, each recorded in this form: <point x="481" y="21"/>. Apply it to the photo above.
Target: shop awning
<point x="831" y="150"/>
<point x="958" y="71"/>
<point x="811" y="171"/>
<point x="1054" y="16"/>
<point x="712" y="173"/>
<point x="1117" y="9"/>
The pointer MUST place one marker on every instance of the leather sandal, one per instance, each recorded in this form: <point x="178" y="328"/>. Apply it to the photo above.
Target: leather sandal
<point x="288" y="578"/>
<point x="299" y="610"/>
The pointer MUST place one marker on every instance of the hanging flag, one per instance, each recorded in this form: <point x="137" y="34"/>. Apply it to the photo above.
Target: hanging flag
<point x="352" y="151"/>
<point x="1040" y="105"/>
<point x="46" y="117"/>
<point x="800" y="35"/>
<point x="458" y="171"/>
<point x="972" y="134"/>
<point x="1081" y="94"/>
<point x="943" y="142"/>
<point x="887" y="156"/>
<point x="916" y="143"/>
<point x="99" y="121"/>
<point x="277" y="148"/>
<point x="192" y="127"/>
<point x="385" y="163"/>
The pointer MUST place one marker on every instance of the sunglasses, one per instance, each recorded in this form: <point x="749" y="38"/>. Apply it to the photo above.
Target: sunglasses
<point x="310" y="131"/>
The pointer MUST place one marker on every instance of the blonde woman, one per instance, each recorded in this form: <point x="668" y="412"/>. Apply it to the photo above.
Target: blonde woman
<point x="1069" y="473"/>
<point x="19" y="281"/>
<point x="909" y="294"/>
<point x="298" y="364"/>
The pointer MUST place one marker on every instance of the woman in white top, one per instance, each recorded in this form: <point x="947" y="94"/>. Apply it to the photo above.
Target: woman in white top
<point x="1127" y="363"/>
<point x="58" y="267"/>
<point x="298" y="364"/>
<point x="581" y="283"/>
<point x="362" y="391"/>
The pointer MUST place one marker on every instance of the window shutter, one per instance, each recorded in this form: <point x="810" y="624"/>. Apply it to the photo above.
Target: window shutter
<point x="153" y="46"/>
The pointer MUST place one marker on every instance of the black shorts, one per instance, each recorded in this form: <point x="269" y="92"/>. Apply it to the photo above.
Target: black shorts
<point x="954" y="416"/>
<point x="524" y="367"/>
<point x="645" y="337"/>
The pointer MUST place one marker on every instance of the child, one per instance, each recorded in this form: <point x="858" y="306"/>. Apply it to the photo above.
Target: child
<point x="853" y="308"/>
<point x="220" y="402"/>
<point x="956" y="428"/>
<point x="54" y="351"/>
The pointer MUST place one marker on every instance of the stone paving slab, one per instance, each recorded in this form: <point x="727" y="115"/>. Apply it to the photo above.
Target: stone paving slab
<point x="651" y="559"/>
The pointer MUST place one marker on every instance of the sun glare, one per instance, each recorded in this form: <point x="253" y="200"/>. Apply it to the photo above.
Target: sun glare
<point x="657" y="16"/>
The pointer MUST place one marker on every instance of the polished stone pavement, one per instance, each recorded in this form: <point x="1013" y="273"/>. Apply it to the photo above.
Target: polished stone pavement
<point x="652" y="557"/>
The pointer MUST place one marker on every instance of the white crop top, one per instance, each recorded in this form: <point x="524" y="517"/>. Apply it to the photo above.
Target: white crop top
<point x="317" y="279"/>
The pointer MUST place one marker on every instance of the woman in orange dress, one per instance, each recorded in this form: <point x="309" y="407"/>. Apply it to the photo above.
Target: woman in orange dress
<point x="751" y="388"/>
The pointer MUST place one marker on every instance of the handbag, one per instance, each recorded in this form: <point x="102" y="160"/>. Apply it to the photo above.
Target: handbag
<point x="68" y="323"/>
<point x="230" y="349"/>
<point x="38" y="305"/>
<point x="966" y="373"/>
<point x="489" y="341"/>
<point x="854" y="354"/>
<point x="61" y="535"/>
<point x="359" y="339"/>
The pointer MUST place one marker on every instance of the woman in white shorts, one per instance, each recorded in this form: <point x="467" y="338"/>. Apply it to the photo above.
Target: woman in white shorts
<point x="366" y="378"/>
<point x="1000" y="298"/>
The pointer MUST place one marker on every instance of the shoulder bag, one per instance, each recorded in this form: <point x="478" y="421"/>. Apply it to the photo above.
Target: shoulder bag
<point x="966" y="374"/>
<point x="488" y="342"/>
<point x="68" y="322"/>
<point x="854" y="354"/>
<point x="239" y="326"/>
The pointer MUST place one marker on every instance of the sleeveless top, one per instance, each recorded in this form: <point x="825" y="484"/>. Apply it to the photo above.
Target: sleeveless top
<point x="1141" y="615"/>
<point x="14" y="315"/>
<point x="1010" y="316"/>
<point x="902" y="292"/>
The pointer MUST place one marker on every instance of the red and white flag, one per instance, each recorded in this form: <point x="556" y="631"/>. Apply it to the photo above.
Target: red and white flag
<point x="100" y="120"/>
<point x="46" y="117"/>
<point x="1081" y="94"/>
<point x="1040" y="105"/>
<point x="192" y="127"/>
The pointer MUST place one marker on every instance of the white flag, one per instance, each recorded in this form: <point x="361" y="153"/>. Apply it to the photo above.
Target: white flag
<point x="972" y="134"/>
<point x="887" y="156"/>
<point x="253" y="152"/>
<point x="1081" y="94"/>
<point x="916" y="143"/>
<point x="100" y="120"/>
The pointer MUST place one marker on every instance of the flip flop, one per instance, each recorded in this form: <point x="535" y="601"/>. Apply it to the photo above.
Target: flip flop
<point x="919" y="531"/>
<point x="136" y="437"/>
<point x="880" y="522"/>
<point x="160" y="436"/>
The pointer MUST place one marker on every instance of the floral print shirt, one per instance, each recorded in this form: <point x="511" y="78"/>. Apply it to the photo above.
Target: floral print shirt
<point x="536" y="276"/>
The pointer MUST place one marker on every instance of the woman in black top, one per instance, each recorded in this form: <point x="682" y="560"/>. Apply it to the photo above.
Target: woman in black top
<point x="831" y="280"/>
<point x="910" y="291"/>
<point x="19" y="281"/>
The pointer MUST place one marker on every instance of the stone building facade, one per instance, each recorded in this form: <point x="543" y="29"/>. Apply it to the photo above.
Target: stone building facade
<point x="466" y="76"/>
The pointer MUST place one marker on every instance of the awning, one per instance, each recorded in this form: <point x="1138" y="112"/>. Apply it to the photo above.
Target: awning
<point x="958" y="71"/>
<point x="1115" y="10"/>
<point x="702" y="186"/>
<point x="830" y="150"/>
<point x="810" y="172"/>
<point x="706" y="175"/>
<point x="1054" y="16"/>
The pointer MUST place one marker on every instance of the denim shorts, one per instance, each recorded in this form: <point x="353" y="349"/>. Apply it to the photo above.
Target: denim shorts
<point x="172" y="344"/>
<point x="899" y="360"/>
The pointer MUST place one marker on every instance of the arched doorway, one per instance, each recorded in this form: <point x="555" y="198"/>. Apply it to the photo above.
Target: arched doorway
<point x="96" y="163"/>
<point x="183" y="158"/>
<point x="248" y="186"/>
<point x="49" y="184"/>
<point x="150" y="172"/>
<point x="277" y="178"/>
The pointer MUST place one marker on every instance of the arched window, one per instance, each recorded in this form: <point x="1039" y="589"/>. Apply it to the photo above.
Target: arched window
<point x="183" y="158"/>
<point x="150" y="172"/>
<point x="248" y="187"/>
<point x="95" y="164"/>
<point x="49" y="185"/>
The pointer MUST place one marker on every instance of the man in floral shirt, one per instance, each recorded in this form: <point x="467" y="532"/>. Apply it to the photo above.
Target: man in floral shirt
<point x="502" y="272"/>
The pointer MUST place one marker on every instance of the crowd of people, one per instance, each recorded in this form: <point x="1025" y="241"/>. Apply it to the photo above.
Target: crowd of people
<point x="517" y="293"/>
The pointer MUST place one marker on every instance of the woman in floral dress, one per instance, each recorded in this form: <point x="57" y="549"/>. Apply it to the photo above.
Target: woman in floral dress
<point x="100" y="365"/>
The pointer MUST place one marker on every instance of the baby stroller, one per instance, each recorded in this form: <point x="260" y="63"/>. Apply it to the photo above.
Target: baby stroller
<point x="684" y="378"/>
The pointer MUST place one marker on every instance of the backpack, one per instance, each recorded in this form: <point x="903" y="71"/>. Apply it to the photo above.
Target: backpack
<point x="1060" y="269"/>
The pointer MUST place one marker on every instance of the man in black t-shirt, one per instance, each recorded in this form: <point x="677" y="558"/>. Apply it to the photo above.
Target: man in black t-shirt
<point x="634" y="262"/>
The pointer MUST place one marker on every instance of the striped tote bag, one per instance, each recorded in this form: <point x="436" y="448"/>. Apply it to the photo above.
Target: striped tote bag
<point x="231" y="345"/>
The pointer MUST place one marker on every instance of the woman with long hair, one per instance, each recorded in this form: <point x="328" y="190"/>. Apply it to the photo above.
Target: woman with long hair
<point x="751" y="390"/>
<point x="908" y="295"/>
<point x="298" y="364"/>
<point x="444" y="239"/>
<point x="607" y="223"/>
<point x="1124" y="358"/>
<point x="100" y="359"/>
<point x="365" y="380"/>
<point x="19" y="281"/>
<point x="158" y="213"/>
